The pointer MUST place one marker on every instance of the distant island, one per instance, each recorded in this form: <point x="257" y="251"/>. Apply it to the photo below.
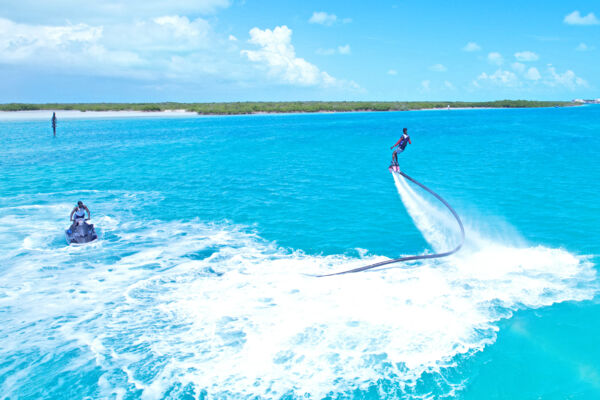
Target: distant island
<point x="285" y="107"/>
<point x="587" y="101"/>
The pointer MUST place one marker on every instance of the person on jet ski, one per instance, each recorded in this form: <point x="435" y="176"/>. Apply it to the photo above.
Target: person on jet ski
<point x="78" y="213"/>
<point x="401" y="143"/>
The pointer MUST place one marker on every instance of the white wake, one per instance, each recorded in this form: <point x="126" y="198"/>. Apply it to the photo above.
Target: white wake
<point x="185" y="306"/>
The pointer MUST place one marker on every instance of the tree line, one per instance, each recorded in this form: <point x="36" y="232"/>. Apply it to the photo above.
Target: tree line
<point x="283" y="107"/>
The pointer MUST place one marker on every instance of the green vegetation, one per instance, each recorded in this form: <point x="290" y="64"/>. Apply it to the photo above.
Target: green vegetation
<point x="283" y="107"/>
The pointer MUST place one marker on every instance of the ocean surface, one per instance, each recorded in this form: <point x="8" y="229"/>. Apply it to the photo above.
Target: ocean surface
<point x="209" y="228"/>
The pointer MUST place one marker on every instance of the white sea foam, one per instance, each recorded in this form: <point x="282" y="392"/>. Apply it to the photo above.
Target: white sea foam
<point x="185" y="306"/>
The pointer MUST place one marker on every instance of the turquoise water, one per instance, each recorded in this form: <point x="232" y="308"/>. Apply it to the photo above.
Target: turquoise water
<point x="208" y="225"/>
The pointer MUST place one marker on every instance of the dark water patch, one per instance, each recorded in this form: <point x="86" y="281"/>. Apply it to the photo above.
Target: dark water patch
<point x="149" y="367"/>
<point x="180" y="391"/>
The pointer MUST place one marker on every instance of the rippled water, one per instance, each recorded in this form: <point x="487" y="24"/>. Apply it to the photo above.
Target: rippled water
<point x="208" y="227"/>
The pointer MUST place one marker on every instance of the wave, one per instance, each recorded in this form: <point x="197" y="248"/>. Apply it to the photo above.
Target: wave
<point x="169" y="308"/>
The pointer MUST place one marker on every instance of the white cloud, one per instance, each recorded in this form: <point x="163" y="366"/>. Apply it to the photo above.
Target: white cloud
<point x="182" y="27"/>
<point x="73" y="46"/>
<point x="449" y="85"/>
<point x="21" y="41"/>
<point x="347" y="20"/>
<point x="438" y="68"/>
<point x="472" y="46"/>
<point x="107" y="12"/>
<point x="517" y="66"/>
<point x="533" y="74"/>
<point x="425" y="85"/>
<point x="583" y="47"/>
<point x="167" y="34"/>
<point x="278" y="56"/>
<point x="526" y="56"/>
<point x="575" y="18"/>
<point x="167" y="47"/>
<point x="171" y="49"/>
<point x="344" y="49"/>
<point x="392" y="72"/>
<point x="499" y="78"/>
<point x="567" y="79"/>
<point x="495" y="58"/>
<point x="322" y="18"/>
<point x="531" y="77"/>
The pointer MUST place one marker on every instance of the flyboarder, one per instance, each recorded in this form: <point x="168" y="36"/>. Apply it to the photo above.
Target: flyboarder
<point x="401" y="143"/>
<point x="54" y="123"/>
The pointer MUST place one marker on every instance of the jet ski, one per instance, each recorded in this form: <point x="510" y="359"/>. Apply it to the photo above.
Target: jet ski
<point x="80" y="232"/>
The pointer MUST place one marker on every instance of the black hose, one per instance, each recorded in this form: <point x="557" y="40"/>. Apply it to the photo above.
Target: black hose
<point x="411" y="258"/>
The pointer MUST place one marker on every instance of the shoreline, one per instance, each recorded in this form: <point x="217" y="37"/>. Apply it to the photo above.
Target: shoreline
<point x="261" y="107"/>
<point x="63" y="114"/>
<point x="34" y="115"/>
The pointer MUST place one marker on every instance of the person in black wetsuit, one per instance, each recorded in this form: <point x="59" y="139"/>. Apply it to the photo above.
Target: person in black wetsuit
<point x="401" y="143"/>
<point x="54" y="123"/>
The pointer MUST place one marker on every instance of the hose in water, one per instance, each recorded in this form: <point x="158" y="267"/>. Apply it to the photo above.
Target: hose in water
<point x="411" y="258"/>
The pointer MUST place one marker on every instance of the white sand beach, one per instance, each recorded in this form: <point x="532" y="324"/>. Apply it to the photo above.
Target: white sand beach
<point x="75" y="114"/>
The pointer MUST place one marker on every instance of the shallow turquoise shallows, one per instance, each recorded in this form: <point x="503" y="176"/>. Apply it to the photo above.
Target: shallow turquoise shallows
<point x="199" y="285"/>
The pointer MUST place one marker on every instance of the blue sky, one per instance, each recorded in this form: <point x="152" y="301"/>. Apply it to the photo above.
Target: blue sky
<point x="232" y="50"/>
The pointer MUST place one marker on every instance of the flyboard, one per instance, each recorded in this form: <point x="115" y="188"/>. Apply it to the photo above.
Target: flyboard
<point x="80" y="233"/>
<point x="394" y="168"/>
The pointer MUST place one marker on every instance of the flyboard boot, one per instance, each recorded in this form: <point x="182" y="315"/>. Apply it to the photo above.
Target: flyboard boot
<point x="394" y="167"/>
